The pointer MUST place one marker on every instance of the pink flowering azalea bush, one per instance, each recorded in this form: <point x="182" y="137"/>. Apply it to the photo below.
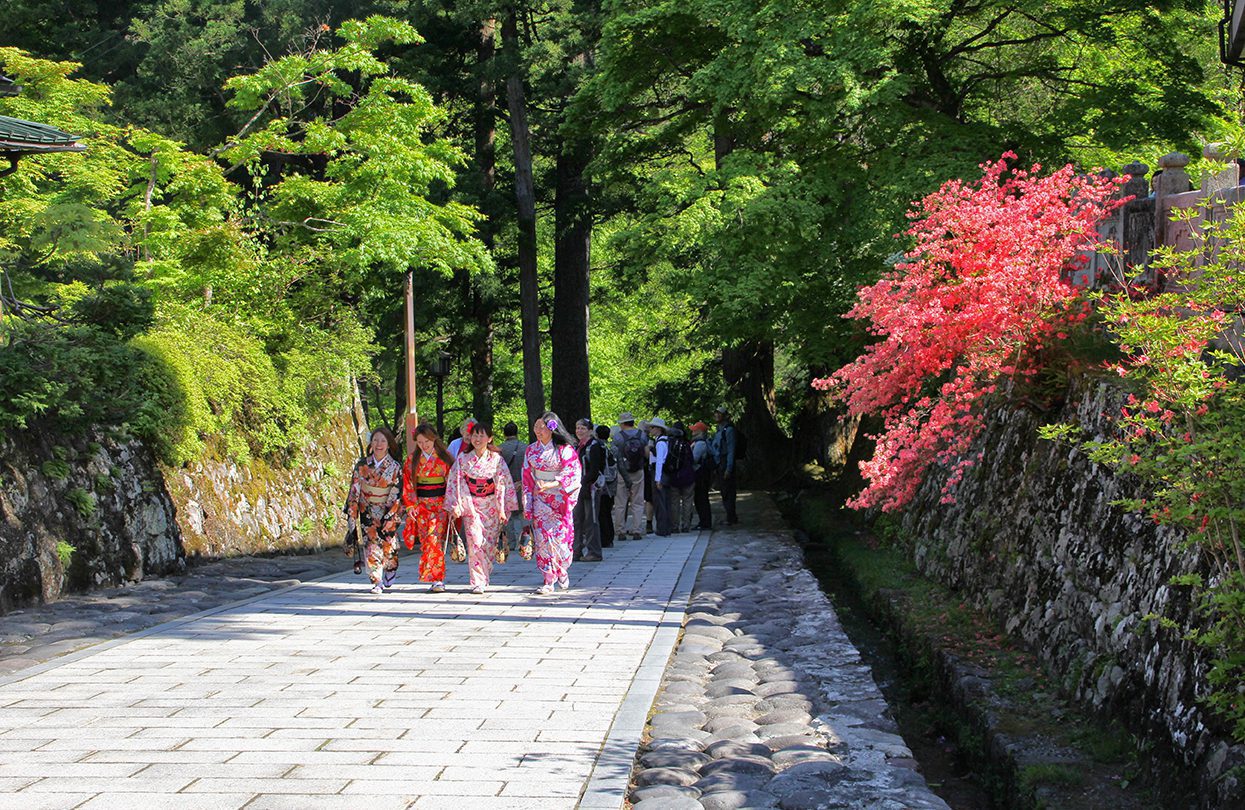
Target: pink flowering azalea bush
<point x="981" y="292"/>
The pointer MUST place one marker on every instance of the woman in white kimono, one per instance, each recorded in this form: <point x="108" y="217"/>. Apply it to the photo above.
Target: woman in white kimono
<point x="479" y="490"/>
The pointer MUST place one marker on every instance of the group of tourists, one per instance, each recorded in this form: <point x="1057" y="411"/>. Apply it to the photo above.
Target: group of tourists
<point x="560" y="499"/>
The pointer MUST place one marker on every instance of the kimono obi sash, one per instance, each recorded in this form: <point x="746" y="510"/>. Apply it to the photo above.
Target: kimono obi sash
<point x="430" y="486"/>
<point x="377" y="496"/>
<point x="480" y="487"/>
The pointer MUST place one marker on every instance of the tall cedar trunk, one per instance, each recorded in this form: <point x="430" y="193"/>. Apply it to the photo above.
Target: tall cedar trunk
<point x="568" y="328"/>
<point x="525" y="194"/>
<point x="486" y="158"/>
<point x="748" y="369"/>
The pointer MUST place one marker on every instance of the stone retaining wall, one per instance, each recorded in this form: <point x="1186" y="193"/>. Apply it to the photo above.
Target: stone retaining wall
<point x="226" y="509"/>
<point x="79" y="514"/>
<point x="1034" y="540"/>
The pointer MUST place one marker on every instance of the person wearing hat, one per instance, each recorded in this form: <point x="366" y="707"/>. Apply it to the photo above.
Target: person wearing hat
<point x="661" y="479"/>
<point x="724" y="443"/>
<point x="630" y="449"/>
<point x="702" y="462"/>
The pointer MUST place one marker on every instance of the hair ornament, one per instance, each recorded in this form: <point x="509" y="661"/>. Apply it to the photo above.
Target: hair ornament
<point x="552" y="424"/>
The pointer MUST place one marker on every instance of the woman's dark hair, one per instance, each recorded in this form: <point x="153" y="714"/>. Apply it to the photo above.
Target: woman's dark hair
<point x="511" y="429"/>
<point x="394" y="450"/>
<point x="480" y="426"/>
<point x="438" y="446"/>
<point x="603" y="432"/>
<point x="560" y="434"/>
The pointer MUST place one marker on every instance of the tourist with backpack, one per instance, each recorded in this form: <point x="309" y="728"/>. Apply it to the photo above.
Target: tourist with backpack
<point x="630" y="449"/>
<point x="702" y="463"/>
<point x="605" y="515"/>
<point x="662" y="468"/>
<point x="512" y="450"/>
<point x="587" y="544"/>
<point x="682" y="473"/>
<point x="725" y="454"/>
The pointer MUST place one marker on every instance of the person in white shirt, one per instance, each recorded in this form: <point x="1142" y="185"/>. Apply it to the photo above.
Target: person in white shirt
<point x="661" y="483"/>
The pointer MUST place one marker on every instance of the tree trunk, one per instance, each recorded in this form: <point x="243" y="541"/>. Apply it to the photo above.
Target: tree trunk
<point x="482" y="307"/>
<point x="749" y="370"/>
<point x="525" y="194"/>
<point x="568" y="328"/>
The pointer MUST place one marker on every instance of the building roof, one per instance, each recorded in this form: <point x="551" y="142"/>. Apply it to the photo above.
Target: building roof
<point x="8" y="87"/>
<point x="27" y="137"/>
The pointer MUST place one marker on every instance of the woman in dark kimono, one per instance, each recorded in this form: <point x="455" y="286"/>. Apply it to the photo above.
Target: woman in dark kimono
<point x="372" y="506"/>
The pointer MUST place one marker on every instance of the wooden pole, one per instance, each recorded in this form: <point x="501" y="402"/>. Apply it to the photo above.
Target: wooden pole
<point x="412" y="417"/>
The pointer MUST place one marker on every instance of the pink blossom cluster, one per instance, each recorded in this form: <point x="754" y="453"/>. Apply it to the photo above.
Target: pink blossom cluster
<point x="982" y="289"/>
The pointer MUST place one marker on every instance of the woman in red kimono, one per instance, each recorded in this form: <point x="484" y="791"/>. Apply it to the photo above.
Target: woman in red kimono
<point x="372" y="506"/>
<point x="423" y="495"/>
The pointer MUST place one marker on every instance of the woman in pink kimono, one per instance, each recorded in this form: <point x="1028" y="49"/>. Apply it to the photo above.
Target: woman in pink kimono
<point x="550" y="489"/>
<point x="479" y="490"/>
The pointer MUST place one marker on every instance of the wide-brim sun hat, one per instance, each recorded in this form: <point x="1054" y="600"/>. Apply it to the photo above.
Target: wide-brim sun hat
<point x="657" y="421"/>
<point x="625" y="417"/>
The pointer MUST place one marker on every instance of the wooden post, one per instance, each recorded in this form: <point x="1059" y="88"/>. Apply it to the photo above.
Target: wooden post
<point x="412" y="416"/>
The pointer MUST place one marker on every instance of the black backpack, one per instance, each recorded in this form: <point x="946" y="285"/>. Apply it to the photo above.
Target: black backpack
<point x="634" y="451"/>
<point x="682" y="471"/>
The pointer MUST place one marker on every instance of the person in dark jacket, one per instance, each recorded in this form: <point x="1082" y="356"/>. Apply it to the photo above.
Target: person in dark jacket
<point x="605" y="514"/>
<point x="587" y="547"/>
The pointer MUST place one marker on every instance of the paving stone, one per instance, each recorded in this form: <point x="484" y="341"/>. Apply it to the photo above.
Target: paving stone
<point x="782" y="730"/>
<point x="666" y="776"/>
<point x="807" y="776"/>
<point x="785" y="716"/>
<point x="738" y="800"/>
<point x="732" y="781"/>
<point x="744" y="763"/>
<point x="735" y="669"/>
<point x="669" y="803"/>
<point x="772" y="688"/>
<point x="716" y="632"/>
<point x="802" y="753"/>
<point x="682" y="718"/>
<point x="662" y="792"/>
<point x="674" y="759"/>
<point x="729" y="687"/>
<point x="675" y="744"/>
<point x="731" y="748"/>
<point x="778" y="702"/>
<point x="729" y="725"/>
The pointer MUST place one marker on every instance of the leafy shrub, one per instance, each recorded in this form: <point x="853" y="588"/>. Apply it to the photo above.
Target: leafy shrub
<point x="55" y="469"/>
<point x="82" y="501"/>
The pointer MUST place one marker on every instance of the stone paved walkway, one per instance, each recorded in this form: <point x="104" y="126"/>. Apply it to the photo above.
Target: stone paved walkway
<point x="326" y="696"/>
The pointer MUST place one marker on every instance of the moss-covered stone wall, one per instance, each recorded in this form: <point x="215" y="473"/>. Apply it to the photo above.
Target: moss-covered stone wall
<point x="86" y="513"/>
<point x="1033" y="538"/>
<point x="225" y="508"/>
<point x="75" y="515"/>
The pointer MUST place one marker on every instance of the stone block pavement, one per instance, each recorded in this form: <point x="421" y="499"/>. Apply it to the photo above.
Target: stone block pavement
<point x="322" y="695"/>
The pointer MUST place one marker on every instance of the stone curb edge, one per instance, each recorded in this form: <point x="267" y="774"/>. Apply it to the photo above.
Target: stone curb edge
<point x="156" y="629"/>
<point x="606" y="788"/>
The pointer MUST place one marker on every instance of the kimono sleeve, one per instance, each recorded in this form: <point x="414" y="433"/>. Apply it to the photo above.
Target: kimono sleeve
<point x="409" y="476"/>
<point x="529" y="484"/>
<point x="454" y="494"/>
<point x="355" y="496"/>
<point x="505" y="485"/>
<point x="568" y="478"/>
